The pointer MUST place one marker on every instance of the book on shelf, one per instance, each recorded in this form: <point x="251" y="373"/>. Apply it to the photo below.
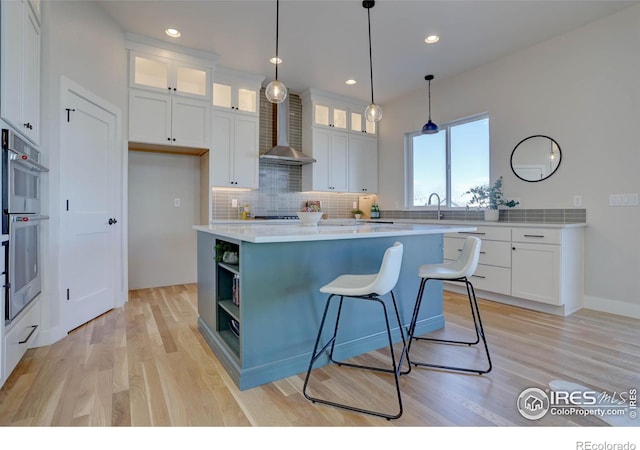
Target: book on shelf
<point x="236" y="290"/>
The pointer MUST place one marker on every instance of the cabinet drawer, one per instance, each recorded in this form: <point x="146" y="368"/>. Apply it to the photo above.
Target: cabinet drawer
<point x="537" y="235"/>
<point x="493" y="253"/>
<point x="492" y="279"/>
<point x="487" y="233"/>
<point x="21" y="336"/>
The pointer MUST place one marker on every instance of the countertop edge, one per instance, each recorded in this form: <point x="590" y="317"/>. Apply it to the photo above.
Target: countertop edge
<point x="304" y="234"/>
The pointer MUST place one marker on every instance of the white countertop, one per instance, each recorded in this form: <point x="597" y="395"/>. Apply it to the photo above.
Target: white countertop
<point x="266" y="232"/>
<point x="483" y="223"/>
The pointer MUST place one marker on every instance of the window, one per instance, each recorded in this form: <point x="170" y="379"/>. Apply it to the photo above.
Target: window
<point x="447" y="163"/>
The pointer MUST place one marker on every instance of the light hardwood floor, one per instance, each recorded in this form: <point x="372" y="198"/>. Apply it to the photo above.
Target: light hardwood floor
<point x="146" y="364"/>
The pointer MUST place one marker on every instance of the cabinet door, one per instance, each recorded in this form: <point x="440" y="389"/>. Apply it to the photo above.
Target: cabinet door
<point x="190" y="122"/>
<point x="12" y="63"/>
<point x="356" y="165"/>
<point x="245" y="152"/>
<point x="339" y="162"/>
<point x="149" y="117"/>
<point x="360" y="125"/>
<point x="190" y="80"/>
<point x="31" y="77"/>
<point x="320" y="169"/>
<point x="535" y="272"/>
<point x="220" y="151"/>
<point x="370" y="164"/>
<point x="149" y="72"/>
<point x="235" y="97"/>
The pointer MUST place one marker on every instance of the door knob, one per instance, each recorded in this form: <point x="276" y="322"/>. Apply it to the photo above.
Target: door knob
<point x="112" y="221"/>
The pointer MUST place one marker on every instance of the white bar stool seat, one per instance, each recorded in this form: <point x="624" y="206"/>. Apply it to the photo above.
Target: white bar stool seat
<point x="459" y="270"/>
<point x="370" y="287"/>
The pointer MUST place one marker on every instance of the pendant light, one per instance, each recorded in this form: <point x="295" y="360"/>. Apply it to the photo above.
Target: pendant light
<point x="373" y="113"/>
<point x="429" y="127"/>
<point x="276" y="91"/>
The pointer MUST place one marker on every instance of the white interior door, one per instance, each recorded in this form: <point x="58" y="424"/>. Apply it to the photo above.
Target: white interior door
<point x="90" y="183"/>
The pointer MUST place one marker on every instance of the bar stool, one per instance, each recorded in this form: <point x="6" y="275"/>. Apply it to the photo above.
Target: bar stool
<point x="369" y="288"/>
<point x="459" y="270"/>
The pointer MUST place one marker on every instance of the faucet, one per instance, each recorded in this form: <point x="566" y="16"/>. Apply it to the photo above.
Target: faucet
<point x="429" y="204"/>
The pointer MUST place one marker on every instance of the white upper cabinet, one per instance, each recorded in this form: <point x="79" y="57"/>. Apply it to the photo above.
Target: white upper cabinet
<point x="234" y="150"/>
<point x="331" y="116"/>
<point x="162" y="74"/>
<point x="345" y="148"/>
<point x="236" y="91"/>
<point x="359" y="123"/>
<point x="363" y="164"/>
<point x="156" y="118"/>
<point x="20" y="73"/>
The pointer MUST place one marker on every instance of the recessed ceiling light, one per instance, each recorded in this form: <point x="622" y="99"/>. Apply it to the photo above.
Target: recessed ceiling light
<point x="350" y="82"/>
<point x="275" y="60"/>
<point x="432" y="39"/>
<point x="172" y="32"/>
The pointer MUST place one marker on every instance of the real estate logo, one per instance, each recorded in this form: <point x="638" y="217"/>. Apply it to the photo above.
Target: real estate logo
<point x="534" y="403"/>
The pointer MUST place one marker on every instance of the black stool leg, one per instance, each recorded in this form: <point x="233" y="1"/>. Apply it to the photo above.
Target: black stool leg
<point x="395" y="370"/>
<point x="477" y="323"/>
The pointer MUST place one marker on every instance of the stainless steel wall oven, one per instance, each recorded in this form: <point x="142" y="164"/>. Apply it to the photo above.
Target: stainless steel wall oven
<point x="21" y="220"/>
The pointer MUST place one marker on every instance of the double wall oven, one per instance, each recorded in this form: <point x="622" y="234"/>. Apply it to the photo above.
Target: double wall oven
<point x="22" y="221"/>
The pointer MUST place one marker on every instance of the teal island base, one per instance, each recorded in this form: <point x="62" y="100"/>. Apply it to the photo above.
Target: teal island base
<point x="271" y="333"/>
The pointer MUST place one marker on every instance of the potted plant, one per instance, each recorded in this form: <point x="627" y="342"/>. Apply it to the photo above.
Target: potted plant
<point x="357" y="213"/>
<point x="489" y="198"/>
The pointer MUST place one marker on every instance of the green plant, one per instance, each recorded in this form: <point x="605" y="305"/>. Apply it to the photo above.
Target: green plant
<point x="490" y="197"/>
<point x="223" y="246"/>
<point x="356" y="211"/>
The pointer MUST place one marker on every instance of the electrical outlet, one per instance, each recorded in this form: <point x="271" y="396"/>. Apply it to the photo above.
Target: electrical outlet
<point x="355" y="205"/>
<point x="234" y="202"/>
<point x="176" y="202"/>
<point x="577" y="200"/>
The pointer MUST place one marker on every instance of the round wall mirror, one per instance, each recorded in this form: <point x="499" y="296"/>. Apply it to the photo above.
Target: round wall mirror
<point x="535" y="158"/>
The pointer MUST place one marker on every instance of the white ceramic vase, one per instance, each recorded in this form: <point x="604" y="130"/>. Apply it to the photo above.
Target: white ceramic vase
<point x="491" y="215"/>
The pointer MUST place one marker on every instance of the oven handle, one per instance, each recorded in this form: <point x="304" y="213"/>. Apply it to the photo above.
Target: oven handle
<point x="24" y="160"/>
<point x="19" y="218"/>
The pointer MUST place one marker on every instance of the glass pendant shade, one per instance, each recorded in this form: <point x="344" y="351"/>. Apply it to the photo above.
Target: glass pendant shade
<point x="276" y="92"/>
<point x="429" y="128"/>
<point x="373" y="113"/>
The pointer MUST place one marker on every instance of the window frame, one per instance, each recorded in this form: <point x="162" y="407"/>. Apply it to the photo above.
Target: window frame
<point x="408" y="172"/>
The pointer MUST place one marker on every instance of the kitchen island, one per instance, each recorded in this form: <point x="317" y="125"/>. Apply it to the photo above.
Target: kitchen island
<point x="260" y="314"/>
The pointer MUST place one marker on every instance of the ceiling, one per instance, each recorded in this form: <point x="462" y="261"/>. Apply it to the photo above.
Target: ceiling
<point x="324" y="43"/>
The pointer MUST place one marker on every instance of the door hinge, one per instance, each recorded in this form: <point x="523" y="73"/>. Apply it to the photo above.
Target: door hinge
<point x="67" y="293"/>
<point x="69" y="110"/>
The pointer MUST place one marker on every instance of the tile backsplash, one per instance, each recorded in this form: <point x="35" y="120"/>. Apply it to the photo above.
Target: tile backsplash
<point x="279" y="194"/>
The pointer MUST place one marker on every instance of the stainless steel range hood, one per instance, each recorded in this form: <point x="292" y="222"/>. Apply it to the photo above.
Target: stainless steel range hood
<point x="283" y="153"/>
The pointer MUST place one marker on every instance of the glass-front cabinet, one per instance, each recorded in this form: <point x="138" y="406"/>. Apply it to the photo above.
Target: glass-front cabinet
<point x="236" y="91"/>
<point x="166" y="75"/>
<point x="359" y="124"/>
<point x="330" y="116"/>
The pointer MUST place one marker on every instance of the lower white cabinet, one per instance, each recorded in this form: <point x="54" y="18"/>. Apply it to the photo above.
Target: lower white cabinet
<point x="234" y="150"/>
<point x="20" y="335"/>
<point x="535" y="264"/>
<point x="164" y="119"/>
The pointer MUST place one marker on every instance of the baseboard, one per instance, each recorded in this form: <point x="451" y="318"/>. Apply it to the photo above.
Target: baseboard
<point x="611" y="306"/>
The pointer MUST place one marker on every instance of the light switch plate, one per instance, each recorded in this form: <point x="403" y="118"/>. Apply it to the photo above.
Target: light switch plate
<point x="577" y="200"/>
<point x="176" y="202"/>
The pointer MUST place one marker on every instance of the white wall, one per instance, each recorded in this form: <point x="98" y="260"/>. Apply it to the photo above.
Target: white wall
<point x="80" y="42"/>
<point x="580" y="88"/>
<point x="162" y="242"/>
